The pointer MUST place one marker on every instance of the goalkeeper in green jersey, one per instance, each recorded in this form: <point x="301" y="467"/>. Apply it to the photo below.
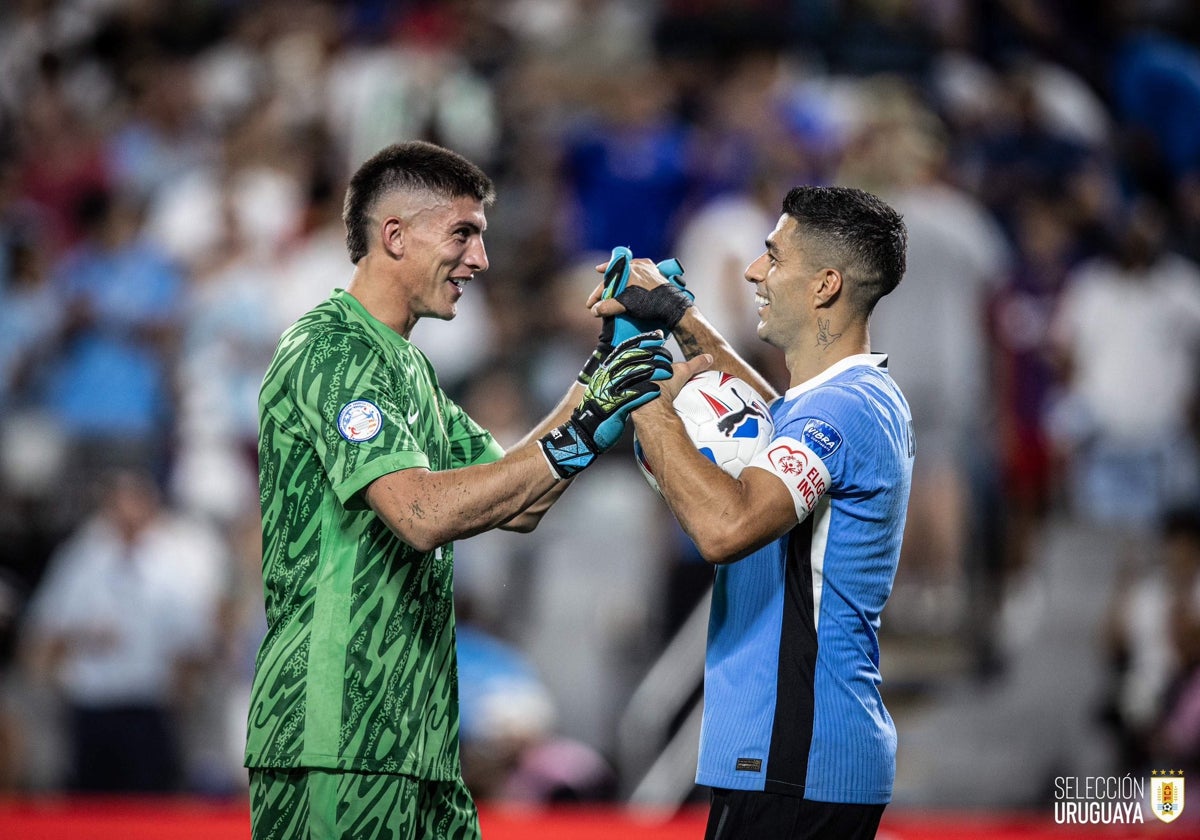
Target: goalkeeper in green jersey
<point x="368" y="472"/>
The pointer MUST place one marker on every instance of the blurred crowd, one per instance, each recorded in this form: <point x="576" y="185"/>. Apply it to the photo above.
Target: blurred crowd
<point x="171" y="177"/>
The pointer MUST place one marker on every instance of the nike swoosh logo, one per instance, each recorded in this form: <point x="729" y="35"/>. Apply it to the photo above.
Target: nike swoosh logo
<point x="412" y="418"/>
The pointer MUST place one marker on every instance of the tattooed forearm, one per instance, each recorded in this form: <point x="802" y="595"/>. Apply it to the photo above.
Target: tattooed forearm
<point x="416" y="511"/>
<point x="688" y="344"/>
<point x="824" y="336"/>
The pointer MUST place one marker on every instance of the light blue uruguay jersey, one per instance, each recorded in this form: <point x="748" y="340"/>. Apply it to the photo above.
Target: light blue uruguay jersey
<point x="791" y="680"/>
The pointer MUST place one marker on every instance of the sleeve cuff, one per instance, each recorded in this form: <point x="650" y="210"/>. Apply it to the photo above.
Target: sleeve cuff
<point x="349" y="490"/>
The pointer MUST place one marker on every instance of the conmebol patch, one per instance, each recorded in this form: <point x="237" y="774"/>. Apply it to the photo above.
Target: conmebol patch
<point x="359" y="421"/>
<point x="821" y="438"/>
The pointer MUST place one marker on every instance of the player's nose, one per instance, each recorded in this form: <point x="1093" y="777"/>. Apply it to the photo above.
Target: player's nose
<point x="476" y="257"/>
<point x="756" y="271"/>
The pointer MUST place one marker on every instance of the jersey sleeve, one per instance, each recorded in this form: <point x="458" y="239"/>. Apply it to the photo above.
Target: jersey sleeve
<point x="470" y="443"/>
<point x="808" y="451"/>
<point x="360" y="416"/>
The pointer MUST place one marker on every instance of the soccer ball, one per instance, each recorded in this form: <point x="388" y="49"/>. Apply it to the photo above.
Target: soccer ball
<point x="727" y="420"/>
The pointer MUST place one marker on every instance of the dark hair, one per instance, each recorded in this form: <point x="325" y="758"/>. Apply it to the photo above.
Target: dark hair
<point x="856" y="233"/>
<point x="414" y="166"/>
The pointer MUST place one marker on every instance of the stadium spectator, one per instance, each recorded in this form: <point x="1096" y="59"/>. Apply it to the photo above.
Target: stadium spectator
<point x="1026" y="380"/>
<point x="30" y="317"/>
<point x="511" y="750"/>
<point x="1176" y="730"/>
<point x="1126" y="423"/>
<point x="1021" y="150"/>
<point x="629" y="167"/>
<point x="61" y="160"/>
<point x="227" y="338"/>
<point x="796" y="740"/>
<point x="719" y="239"/>
<point x="362" y="728"/>
<point x="162" y="139"/>
<point x="124" y="614"/>
<point x="32" y="446"/>
<point x="957" y="257"/>
<point x="416" y="84"/>
<point x="257" y="176"/>
<point x="1127" y="333"/>
<point x="104" y="380"/>
<point x="216" y="748"/>
<point x="312" y="263"/>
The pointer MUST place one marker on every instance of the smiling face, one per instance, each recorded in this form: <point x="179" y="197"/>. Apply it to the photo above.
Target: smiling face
<point x="442" y="241"/>
<point x="783" y="295"/>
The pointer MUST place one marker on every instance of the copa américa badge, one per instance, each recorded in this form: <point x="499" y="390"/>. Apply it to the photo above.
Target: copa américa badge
<point x="1166" y="794"/>
<point x="359" y="421"/>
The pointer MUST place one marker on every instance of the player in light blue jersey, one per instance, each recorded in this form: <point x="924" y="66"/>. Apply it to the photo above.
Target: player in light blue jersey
<point x="796" y="741"/>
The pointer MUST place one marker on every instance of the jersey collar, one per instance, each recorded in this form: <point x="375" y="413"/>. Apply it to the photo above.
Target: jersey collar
<point x="354" y="305"/>
<point x="878" y="360"/>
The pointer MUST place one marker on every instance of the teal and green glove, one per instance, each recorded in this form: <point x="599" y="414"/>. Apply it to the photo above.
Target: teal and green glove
<point x="646" y="309"/>
<point x="621" y="383"/>
<point x="659" y="308"/>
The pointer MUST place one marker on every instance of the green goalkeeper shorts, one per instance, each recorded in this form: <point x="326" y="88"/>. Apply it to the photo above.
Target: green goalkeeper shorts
<point x="311" y="804"/>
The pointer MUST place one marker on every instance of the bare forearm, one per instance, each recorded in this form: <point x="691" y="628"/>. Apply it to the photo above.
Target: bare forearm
<point x="695" y="335"/>
<point x="427" y="509"/>
<point x="528" y="519"/>
<point x="705" y="500"/>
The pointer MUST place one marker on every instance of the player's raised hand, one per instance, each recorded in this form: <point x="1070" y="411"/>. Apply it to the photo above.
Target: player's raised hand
<point x="624" y="381"/>
<point x="639" y="295"/>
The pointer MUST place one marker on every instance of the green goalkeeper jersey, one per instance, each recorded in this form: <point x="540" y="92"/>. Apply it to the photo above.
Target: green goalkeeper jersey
<point x="357" y="670"/>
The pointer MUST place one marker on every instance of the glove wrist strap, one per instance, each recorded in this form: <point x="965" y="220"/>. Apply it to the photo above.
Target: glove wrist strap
<point x="663" y="305"/>
<point x="567" y="450"/>
<point x="593" y="363"/>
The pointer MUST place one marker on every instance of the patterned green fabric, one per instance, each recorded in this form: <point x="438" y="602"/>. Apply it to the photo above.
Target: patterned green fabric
<point x="332" y="805"/>
<point x="357" y="670"/>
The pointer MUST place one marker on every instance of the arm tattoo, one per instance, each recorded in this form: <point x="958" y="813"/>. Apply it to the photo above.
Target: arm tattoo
<point x="824" y="337"/>
<point x="688" y="344"/>
<point x="416" y="510"/>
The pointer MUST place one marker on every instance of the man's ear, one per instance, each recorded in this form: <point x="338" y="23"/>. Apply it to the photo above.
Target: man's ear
<point x="391" y="231"/>
<point x="829" y="286"/>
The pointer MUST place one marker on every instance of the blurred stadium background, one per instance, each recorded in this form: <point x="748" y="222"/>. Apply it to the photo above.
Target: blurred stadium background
<point x="171" y="174"/>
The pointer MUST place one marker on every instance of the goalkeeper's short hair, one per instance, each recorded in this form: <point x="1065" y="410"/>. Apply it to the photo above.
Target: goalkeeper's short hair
<point x="411" y="166"/>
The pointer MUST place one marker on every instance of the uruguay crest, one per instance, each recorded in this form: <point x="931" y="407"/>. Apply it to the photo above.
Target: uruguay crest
<point x="1166" y="794"/>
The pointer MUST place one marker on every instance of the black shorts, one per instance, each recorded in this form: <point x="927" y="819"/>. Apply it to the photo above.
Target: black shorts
<point x="755" y="814"/>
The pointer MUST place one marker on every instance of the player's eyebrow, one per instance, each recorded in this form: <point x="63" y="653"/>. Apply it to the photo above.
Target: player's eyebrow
<point x="465" y="224"/>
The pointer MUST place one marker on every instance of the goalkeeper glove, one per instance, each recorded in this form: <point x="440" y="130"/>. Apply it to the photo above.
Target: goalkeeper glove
<point x="648" y="310"/>
<point x="659" y="308"/>
<point x="622" y="382"/>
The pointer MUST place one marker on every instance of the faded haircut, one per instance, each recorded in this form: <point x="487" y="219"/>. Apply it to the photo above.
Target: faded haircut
<point x="413" y="166"/>
<point x="856" y="233"/>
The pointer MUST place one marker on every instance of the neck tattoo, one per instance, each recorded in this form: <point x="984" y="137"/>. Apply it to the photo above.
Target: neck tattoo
<point x="824" y="337"/>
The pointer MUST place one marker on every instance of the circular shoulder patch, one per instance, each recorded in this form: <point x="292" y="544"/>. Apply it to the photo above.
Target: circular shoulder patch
<point x="821" y="437"/>
<point x="359" y="421"/>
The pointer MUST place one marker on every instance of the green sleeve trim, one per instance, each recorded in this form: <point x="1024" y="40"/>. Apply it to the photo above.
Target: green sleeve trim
<point x="492" y="453"/>
<point x="349" y="490"/>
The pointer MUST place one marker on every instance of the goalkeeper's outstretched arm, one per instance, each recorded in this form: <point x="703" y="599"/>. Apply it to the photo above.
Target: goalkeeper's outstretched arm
<point x="528" y="519"/>
<point x="431" y="508"/>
